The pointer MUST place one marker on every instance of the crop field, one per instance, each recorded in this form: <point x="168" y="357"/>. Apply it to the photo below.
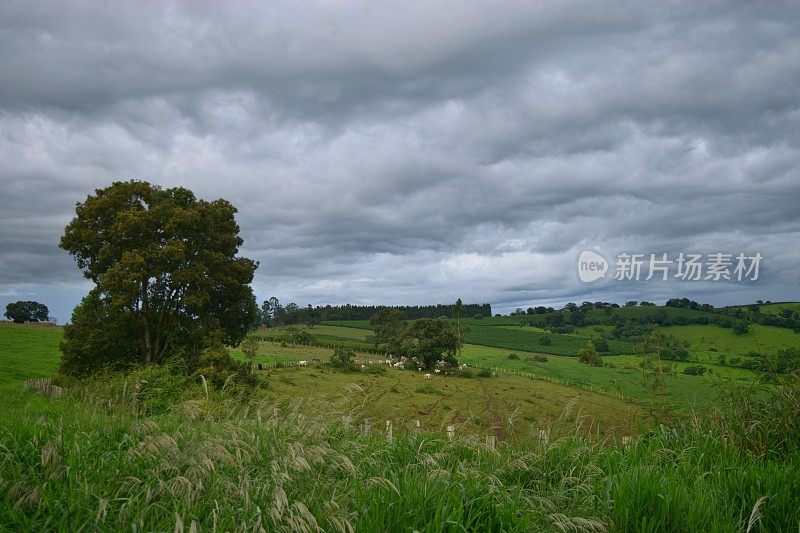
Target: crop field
<point x="529" y="339"/>
<point x="509" y="335"/>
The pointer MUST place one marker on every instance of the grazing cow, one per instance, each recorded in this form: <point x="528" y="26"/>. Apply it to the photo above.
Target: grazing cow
<point x="437" y="371"/>
<point x="427" y="376"/>
<point x="302" y="363"/>
<point x="419" y="369"/>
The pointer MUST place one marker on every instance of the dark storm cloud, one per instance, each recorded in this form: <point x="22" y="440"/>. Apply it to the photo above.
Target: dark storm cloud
<point x="416" y="152"/>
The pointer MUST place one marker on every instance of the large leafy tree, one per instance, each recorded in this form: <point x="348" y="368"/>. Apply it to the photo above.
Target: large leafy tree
<point x="27" y="311"/>
<point x="165" y="265"/>
<point x="389" y="325"/>
<point x="430" y="339"/>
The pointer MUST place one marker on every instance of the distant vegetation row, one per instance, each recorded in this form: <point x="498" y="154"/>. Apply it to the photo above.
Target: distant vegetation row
<point x="273" y="313"/>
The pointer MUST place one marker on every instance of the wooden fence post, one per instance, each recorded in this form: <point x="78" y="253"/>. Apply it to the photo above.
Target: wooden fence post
<point x="451" y="431"/>
<point x="389" y="431"/>
<point x="367" y="426"/>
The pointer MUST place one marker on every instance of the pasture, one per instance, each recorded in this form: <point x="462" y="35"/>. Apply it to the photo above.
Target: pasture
<point x="150" y="450"/>
<point x="624" y="377"/>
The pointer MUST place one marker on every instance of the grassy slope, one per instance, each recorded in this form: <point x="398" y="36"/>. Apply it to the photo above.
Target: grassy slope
<point x="775" y="308"/>
<point x="220" y="464"/>
<point x="681" y="391"/>
<point x="405" y="396"/>
<point x="760" y="339"/>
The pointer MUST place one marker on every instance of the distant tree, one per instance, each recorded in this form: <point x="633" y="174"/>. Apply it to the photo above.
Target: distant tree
<point x="741" y="328"/>
<point x="275" y="310"/>
<point x="388" y="325"/>
<point x="460" y="329"/>
<point x="429" y="340"/>
<point x="166" y="274"/>
<point x="589" y="355"/>
<point x="644" y="303"/>
<point x="571" y="307"/>
<point x="458" y="310"/>
<point x="665" y="347"/>
<point x="27" y="311"/>
<point x="545" y="340"/>
<point x="601" y="344"/>
<point x="631" y="303"/>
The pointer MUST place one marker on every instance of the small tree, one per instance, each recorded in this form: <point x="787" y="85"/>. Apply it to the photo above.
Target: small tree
<point x="343" y="359"/>
<point x="389" y="325"/>
<point x="545" y="340"/>
<point x="250" y="348"/>
<point x="27" y="311"/>
<point x="589" y="355"/>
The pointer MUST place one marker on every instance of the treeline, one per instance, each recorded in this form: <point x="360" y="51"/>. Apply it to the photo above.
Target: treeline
<point x="410" y="312"/>
<point x="786" y="318"/>
<point x="273" y="313"/>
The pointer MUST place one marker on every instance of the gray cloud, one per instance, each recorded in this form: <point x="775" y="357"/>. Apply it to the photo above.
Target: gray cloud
<point x="414" y="153"/>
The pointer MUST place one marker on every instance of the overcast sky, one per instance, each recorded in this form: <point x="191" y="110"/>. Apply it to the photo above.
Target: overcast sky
<point x="415" y="152"/>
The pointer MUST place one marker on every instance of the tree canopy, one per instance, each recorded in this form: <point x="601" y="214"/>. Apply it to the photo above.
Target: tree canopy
<point x="389" y="325"/>
<point x="430" y="339"/>
<point x="165" y="267"/>
<point x="27" y="311"/>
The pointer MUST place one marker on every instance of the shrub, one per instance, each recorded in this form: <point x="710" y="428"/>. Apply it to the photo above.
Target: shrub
<point x="695" y="370"/>
<point x="545" y="340"/>
<point x="484" y="373"/>
<point x="589" y="355"/>
<point x="601" y="345"/>
<point x="539" y="358"/>
<point x="218" y="368"/>
<point x="513" y="356"/>
<point x="344" y="359"/>
<point x="156" y="388"/>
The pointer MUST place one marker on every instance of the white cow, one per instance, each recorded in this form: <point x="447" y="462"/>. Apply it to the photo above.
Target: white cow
<point x="437" y="371"/>
<point x="302" y="363"/>
<point x="427" y="376"/>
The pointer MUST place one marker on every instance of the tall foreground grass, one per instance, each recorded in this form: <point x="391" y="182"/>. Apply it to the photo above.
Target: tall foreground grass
<point x="99" y="460"/>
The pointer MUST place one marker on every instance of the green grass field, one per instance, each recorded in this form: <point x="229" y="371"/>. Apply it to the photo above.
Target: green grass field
<point x="149" y="451"/>
<point x="626" y="378"/>
<point x="776" y="308"/>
